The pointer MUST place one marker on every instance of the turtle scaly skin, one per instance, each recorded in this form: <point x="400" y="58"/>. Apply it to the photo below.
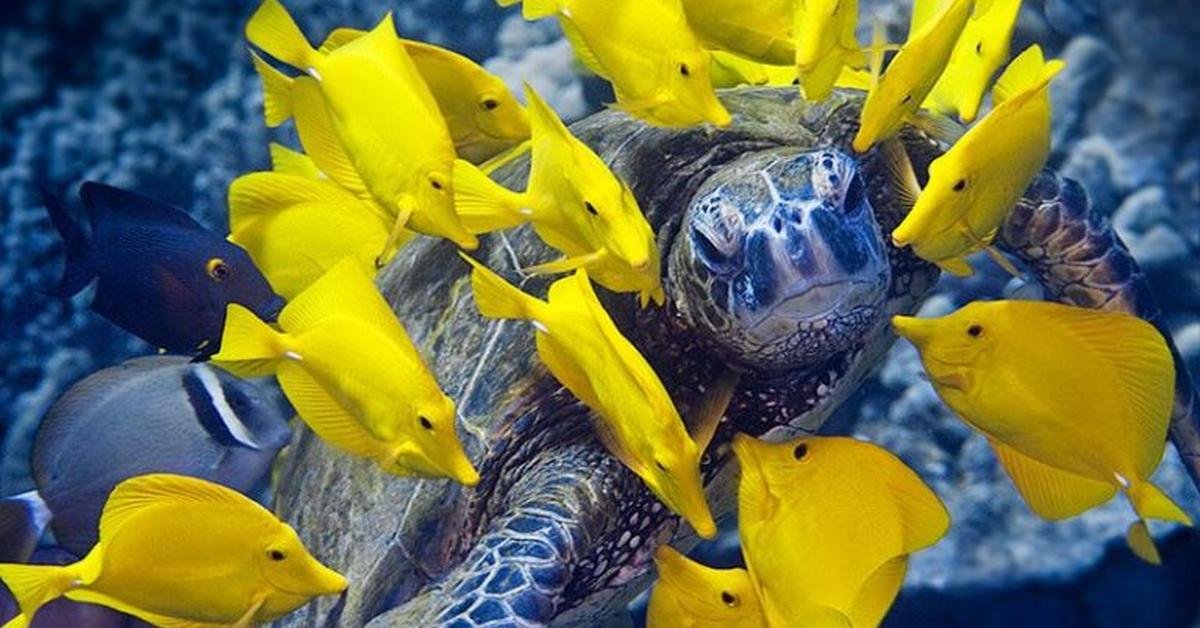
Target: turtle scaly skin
<point x="776" y="268"/>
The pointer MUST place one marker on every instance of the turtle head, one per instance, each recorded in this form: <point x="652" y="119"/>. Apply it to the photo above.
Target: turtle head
<point x="780" y="262"/>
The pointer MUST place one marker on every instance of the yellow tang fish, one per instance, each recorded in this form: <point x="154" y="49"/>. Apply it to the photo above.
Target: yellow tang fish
<point x="825" y="43"/>
<point x="981" y="49"/>
<point x="759" y="31"/>
<point x="353" y="375"/>
<point x="368" y="120"/>
<point x="179" y="551"/>
<point x="974" y="185"/>
<point x="911" y="75"/>
<point x="295" y="227"/>
<point x="690" y="595"/>
<point x="576" y="205"/>
<point x="584" y="350"/>
<point x="658" y="69"/>
<point x="827" y="525"/>
<point x="1076" y="402"/>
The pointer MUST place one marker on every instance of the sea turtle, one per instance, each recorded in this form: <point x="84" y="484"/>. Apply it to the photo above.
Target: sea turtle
<point x="776" y="266"/>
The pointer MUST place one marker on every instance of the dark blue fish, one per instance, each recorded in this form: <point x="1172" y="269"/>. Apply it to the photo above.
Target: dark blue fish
<point x="64" y="613"/>
<point x="160" y="274"/>
<point x="159" y="414"/>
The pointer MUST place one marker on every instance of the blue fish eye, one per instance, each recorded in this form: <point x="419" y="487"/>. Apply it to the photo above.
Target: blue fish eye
<point x="218" y="269"/>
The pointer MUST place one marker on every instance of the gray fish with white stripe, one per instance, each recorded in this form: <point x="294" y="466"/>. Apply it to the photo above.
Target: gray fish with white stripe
<point x="160" y="414"/>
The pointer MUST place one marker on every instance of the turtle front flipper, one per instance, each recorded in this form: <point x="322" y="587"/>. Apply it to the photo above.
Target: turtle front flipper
<point x="1080" y="260"/>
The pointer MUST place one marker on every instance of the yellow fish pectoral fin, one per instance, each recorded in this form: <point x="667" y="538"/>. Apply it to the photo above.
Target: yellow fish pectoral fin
<point x="288" y="161"/>
<point x="1051" y="493"/>
<point x="327" y="418"/>
<point x="247" y="618"/>
<point x="397" y="231"/>
<point x="712" y="407"/>
<point x="1141" y="543"/>
<point x="93" y="597"/>
<point x="566" y="264"/>
<point x="340" y="37"/>
<point x="956" y="266"/>
<point x="319" y="138"/>
<point x="937" y="126"/>
<point x="878" y="593"/>
<point x="900" y="173"/>
<point x="1003" y="262"/>
<point x="583" y="51"/>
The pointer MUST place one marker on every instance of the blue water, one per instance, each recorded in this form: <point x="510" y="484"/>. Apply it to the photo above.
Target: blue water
<point x="160" y="97"/>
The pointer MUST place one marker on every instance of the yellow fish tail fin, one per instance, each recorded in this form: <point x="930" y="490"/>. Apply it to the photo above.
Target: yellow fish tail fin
<point x="340" y="37"/>
<point x="34" y="586"/>
<point x="1141" y="543"/>
<point x="277" y="91"/>
<point x="273" y="30"/>
<point x="878" y="593"/>
<point x="1151" y="503"/>
<point x="535" y="9"/>
<point x="496" y="298"/>
<point x="249" y="347"/>
<point x="288" y="161"/>
<point x="1051" y="493"/>
<point x="482" y="204"/>
<point x="1028" y="73"/>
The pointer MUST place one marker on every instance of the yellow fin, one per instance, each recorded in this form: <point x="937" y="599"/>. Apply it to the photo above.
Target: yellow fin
<point x="924" y="12"/>
<point x="1141" y="543"/>
<point x="272" y="29"/>
<point x="277" y="91"/>
<point x="249" y="347"/>
<point x="543" y="117"/>
<point x="1151" y="503"/>
<point x="956" y="266"/>
<point x="258" y="193"/>
<point x="340" y="37"/>
<point x="567" y="264"/>
<point x="88" y="596"/>
<point x="322" y="412"/>
<point x="496" y="298"/>
<point x="1026" y="74"/>
<point x="345" y="290"/>
<point x="1002" y="261"/>
<point x="878" y="46"/>
<point x="900" y="172"/>
<point x="937" y="126"/>
<point x="582" y="50"/>
<point x="34" y="586"/>
<point x="482" y="204"/>
<point x="1051" y="493"/>
<point x="712" y="406"/>
<point x="878" y="593"/>
<point x="319" y="138"/>
<point x="135" y="495"/>
<point x="819" y="617"/>
<point x="495" y="163"/>
<point x="288" y="161"/>
<point x="534" y="9"/>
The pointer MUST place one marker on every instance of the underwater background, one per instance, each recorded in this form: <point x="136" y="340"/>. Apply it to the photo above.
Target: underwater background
<point x="160" y="97"/>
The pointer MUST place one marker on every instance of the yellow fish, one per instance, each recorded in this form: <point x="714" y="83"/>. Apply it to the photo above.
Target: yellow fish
<point x="690" y="595"/>
<point x="1076" y="402"/>
<point x="825" y="43"/>
<point x="576" y="205"/>
<point x="368" y="120"/>
<point x="584" y="350"/>
<point x="981" y="49"/>
<point x="827" y="524"/>
<point x="297" y="227"/>
<point x="178" y="551"/>
<point x="759" y="31"/>
<point x="658" y="69"/>
<point x="974" y="185"/>
<point x="911" y="75"/>
<point x="353" y="375"/>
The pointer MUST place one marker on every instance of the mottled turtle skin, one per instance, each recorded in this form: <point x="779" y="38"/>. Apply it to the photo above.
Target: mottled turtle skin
<point x="777" y="266"/>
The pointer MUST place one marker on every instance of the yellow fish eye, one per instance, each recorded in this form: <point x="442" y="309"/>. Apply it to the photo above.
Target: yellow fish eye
<point x="800" y="452"/>
<point x="961" y="185"/>
<point x="591" y="209"/>
<point x="662" y="467"/>
<point x="427" y="424"/>
<point x="979" y="48"/>
<point x="975" y="331"/>
<point x="489" y="104"/>
<point x="684" y="70"/>
<point x="217" y="269"/>
<point x="730" y="599"/>
<point x="276" y="555"/>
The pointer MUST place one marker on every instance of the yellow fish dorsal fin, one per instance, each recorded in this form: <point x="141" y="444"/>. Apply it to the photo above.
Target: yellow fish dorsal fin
<point x="340" y="37"/>
<point x="1026" y="75"/>
<point x="712" y="406"/>
<point x="89" y="596"/>
<point x="144" y="492"/>
<point x="346" y="290"/>
<point x="900" y="172"/>
<point x="751" y="28"/>
<point x="1051" y="493"/>
<point x="262" y="193"/>
<point x="320" y="140"/>
<point x="877" y="594"/>
<point x="1141" y="543"/>
<point x="288" y="161"/>
<point x="924" y="12"/>
<point x="542" y="117"/>
<point x="327" y="418"/>
<point x="582" y="50"/>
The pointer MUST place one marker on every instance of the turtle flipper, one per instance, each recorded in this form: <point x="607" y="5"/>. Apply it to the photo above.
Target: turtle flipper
<point x="1080" y="260"/>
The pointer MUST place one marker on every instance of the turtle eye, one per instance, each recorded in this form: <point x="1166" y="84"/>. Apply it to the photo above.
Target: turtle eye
<point x="427" y="424"/>
<point x="730" y="599"/>
<point x="975" y="331"/>
<point x="276" y="555"/>
<point x="489" y="104"/>
<point x="854" y="194"/>
<point x="960" y="185"/>
<point x="217" y="269"/>
<point x="684" y="70"/>
<point x="800" y="452"/>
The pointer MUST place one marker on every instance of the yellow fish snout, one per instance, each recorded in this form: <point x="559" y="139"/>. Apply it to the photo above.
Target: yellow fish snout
<point x="916" y="330"/>
<point x="328" y="581"/>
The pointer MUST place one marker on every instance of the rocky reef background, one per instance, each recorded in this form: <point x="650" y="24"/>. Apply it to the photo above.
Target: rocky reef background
<point x="160" y="97"/>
